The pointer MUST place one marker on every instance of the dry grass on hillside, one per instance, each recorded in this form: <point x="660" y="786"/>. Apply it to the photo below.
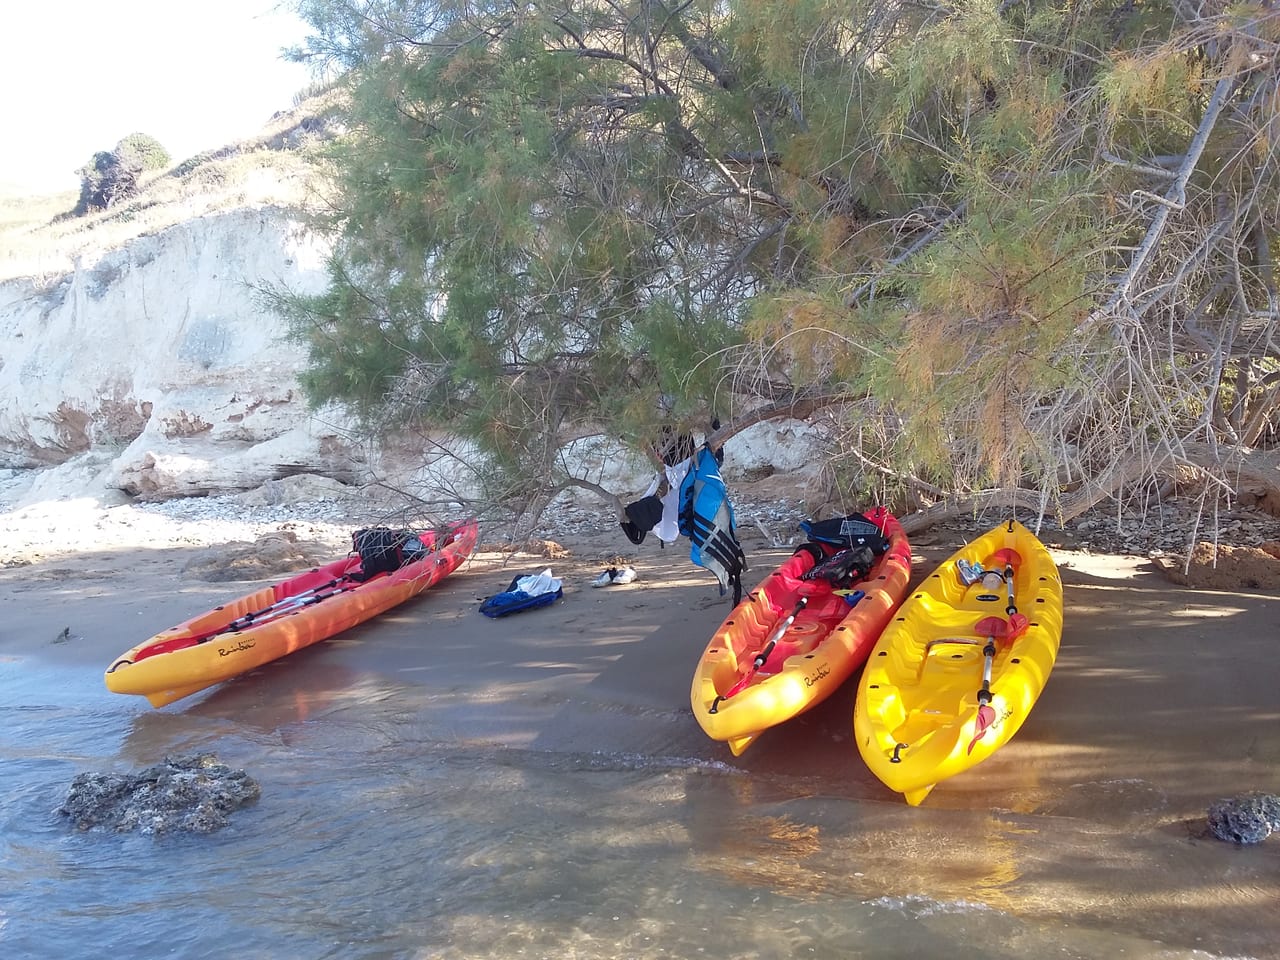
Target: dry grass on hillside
<point x="40" y="240"/>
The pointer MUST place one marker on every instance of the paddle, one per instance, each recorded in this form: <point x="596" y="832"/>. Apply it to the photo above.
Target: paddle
<point x="1009" y="557"/>
<point x="992" y="628"/>
<point x="995" y="627"/>
<point x="283" y="605"/>
<point x="253" y="618"/>
<point x="763" y="656"/>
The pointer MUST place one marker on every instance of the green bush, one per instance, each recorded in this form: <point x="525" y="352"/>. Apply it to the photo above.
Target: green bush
<point x="147" y="148"/>
<point x="112" y="176"/>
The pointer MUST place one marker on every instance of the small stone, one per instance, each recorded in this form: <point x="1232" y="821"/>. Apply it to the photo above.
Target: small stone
<point x="1247" y="819"/>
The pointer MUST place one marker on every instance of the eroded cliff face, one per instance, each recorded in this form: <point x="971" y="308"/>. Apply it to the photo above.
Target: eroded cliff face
<point x="156" y="367"/>
<point x="152" y="370"/>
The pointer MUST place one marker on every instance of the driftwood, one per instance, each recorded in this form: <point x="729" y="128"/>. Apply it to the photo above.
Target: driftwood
<point x="1252" y="476"/>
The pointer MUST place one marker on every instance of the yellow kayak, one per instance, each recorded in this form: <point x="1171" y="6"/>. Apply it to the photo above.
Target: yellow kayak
<point x="960" y="666"/>
<point x="796" y="638"/>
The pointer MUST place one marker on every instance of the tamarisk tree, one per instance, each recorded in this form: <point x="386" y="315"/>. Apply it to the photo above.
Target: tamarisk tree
<point x="1013" y="250"/>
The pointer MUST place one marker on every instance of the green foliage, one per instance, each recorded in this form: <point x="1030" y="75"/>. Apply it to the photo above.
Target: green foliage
<point x="112" y="176"/>
<point x="569" y="217"/>
<point x="147" y="149"/>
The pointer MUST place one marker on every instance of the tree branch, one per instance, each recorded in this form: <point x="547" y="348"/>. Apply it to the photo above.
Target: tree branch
<point x="798" y="406"/>
<point x="852" y="299"/>
<point x="1174" y="198"/>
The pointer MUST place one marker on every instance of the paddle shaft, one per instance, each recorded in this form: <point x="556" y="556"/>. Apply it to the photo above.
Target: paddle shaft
<point x="988" y="657"/>
<point x="278" y="609"/>
<point x="762" y="657"/>
<point x="246" y="619"/>
<point x="778" y="632"/>
<point x="1011" y="558"/>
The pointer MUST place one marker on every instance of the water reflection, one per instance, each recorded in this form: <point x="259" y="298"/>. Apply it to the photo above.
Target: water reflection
<point x="387" y="829"/>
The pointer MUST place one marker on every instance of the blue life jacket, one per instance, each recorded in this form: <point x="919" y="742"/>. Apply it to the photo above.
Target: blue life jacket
<point x="706" y="518"/>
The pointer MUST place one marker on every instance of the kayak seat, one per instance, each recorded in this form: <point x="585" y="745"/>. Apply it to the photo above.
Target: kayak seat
<point x="802" y="637"/>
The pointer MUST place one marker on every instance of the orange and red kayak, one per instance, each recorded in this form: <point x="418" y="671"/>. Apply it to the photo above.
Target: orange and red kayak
<point x="795" y="639"/>
<point x="269" y="623"/>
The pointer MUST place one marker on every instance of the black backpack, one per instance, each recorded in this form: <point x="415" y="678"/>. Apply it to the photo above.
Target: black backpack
<point x="854" y="530"/>
<point x="383" y="550"/>
<point x="843" y="569"/>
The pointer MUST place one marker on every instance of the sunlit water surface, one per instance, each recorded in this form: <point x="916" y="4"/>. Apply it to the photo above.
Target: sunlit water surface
<point x="386" y="831"/>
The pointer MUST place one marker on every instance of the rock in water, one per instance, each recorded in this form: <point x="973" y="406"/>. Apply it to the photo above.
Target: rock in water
<point x="192" y="793"/>
<point x="1249" y="818"/>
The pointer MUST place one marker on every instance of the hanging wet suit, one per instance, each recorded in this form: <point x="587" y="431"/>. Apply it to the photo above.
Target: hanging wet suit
<point x="642" y="516"/>
<point x="658" y="510"/>
<point x="706" y="518"/>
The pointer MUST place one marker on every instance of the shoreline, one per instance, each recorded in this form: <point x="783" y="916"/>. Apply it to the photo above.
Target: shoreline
<point x="769" y="509"/>
<point x="1162" y="701"/>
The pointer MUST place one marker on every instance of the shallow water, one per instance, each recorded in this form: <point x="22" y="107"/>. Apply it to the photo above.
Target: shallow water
<point x="553" y="798"/>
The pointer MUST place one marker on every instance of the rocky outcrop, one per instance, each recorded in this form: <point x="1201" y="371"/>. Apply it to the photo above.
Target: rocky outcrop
<point x="195" y="794"/>
<point x="270" y="555"/>
<point x="161" y="354"/>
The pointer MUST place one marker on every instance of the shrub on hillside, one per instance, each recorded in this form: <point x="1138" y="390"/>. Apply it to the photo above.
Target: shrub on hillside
<point x="147" y="148"/>
<point x="112" y="176"/>
<point x="106" y="180"/>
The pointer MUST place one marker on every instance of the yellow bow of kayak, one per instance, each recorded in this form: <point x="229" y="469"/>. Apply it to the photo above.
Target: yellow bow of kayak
<point x="955" y="673"/>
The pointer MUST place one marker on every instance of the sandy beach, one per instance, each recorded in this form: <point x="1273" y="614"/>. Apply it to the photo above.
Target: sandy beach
<point x="1164" y="699"/>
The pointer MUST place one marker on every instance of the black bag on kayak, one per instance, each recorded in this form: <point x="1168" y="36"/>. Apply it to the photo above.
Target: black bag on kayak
<point x="854" y="530"/>
<point x="844" y="568"/>
<point x="383" y="550"/>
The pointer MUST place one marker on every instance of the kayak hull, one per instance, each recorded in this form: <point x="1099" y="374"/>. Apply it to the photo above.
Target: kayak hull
<point x="827" y="642"/>
<point x="916" y="718"/>
<point x="272" y="622"/>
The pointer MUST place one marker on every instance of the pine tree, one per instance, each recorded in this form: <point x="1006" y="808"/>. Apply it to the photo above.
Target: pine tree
<point x="1011" y="247"/>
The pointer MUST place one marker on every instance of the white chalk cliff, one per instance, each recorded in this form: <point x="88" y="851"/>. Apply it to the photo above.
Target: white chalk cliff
<point x="145" y="365"/>
<point x="155" y="365"/>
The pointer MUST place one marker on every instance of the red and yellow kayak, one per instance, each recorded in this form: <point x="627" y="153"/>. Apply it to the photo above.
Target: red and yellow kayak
<point x="269" y="623"/>
<point x="955" y="674"/>
<point x="792" y="642"/>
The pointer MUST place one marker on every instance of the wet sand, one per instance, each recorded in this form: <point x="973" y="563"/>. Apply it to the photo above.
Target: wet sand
<point x="1163" y="700"/>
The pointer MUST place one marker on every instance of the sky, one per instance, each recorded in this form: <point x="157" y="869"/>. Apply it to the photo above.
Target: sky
<point x="77" y="76"/>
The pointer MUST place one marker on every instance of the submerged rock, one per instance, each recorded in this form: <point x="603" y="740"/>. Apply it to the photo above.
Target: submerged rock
<point x="193" y="793"/>
<point x="1249" y="818"/>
